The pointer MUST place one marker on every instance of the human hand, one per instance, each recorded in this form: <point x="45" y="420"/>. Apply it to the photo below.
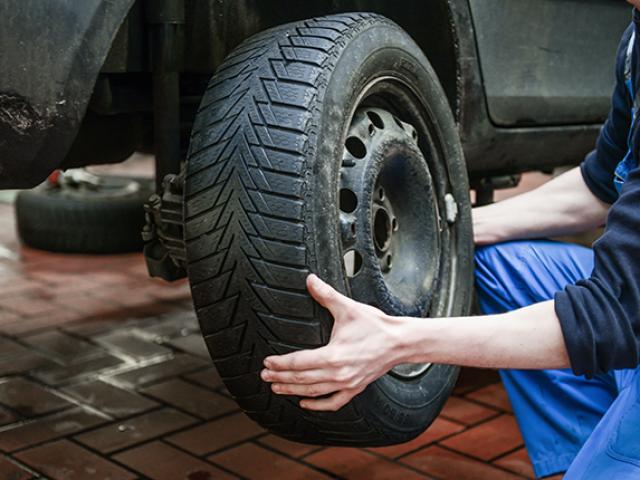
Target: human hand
<point x="365" y="343"/>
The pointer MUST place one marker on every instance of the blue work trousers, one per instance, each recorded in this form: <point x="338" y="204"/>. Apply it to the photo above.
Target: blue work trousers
<point x="589" y="428"/>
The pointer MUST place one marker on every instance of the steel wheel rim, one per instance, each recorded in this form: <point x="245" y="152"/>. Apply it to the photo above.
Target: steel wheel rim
<point x="366" y="127"/>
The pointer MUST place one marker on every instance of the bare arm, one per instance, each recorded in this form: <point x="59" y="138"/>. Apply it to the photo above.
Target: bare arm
<point x="366" y="343"/>
<point x="528" y="338"/>
<point x="563" y="206"/>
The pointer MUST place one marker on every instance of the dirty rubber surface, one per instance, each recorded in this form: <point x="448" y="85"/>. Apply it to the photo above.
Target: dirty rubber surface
<point x="103" y="374"/>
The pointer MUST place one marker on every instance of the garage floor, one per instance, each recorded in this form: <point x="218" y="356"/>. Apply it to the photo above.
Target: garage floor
<point x="103" y="375"/>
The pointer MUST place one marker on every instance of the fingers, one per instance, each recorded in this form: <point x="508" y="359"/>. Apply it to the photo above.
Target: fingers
<point x="304" y="377"/>
<point x="326" y="295"/>
<point x="315" y="390"/>
<point x="332" y="403"/>
<point x="301" y="360"/>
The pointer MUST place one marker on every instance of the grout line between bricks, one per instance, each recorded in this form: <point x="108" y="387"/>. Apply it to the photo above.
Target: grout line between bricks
<point x="195" y="424"/>
<point x="202" y="420"/>
<point x="196" y="384"/>
<point x="397" y="460"/>
<point x="43" y="442"/>
<point x="106" y="457"/>
<point x="495" y="414"/>
<point x="507" y="453"/>
<point x="471" y="457"/>
<point x="20" y="341"/>
<point x="219" y="450"/>
<point x="203" y="459"/>
<point x="24" y="466"/>
<point x="300" y="459"/>
<point x="466" y="428"/>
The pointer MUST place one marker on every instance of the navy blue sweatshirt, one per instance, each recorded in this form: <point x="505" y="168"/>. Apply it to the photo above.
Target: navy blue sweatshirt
<point x="600" y="316"/>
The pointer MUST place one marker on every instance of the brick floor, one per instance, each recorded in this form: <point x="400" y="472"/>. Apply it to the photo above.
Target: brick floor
<point x="103" y="374"/>
<point x="161" y="461"/>
<point x="359" y="464"/>
<point x="252" y="461"/>
<point x="64" y="460"/>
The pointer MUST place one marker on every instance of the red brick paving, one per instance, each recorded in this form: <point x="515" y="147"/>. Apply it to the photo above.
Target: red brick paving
<point x="24" y="434"/>
<point x="518" y="462"/>
<point x="465" y="412"/>
<point x="11" y="471"/>
<point x="63" y="460"/>
<point x="442" y="463"/>
<point x="254" y="462"/>
<point x="160" y="461"/>
<point x="488" y="440"/>
<point x="191" y="398"/>
<point x="292" y="449"/>
<point x="28" y="398"/>
<point x="125" y="433"/>
<point x="103" y="374"/>
<point x="109" y="399"/>
<point x="217" y="434"/>
<point x="492" y="395"/>
<point x="361" y="465"/>
<point x="439" y="429"/>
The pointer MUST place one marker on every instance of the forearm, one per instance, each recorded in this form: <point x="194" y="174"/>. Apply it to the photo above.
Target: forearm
<point x="528" y="338"/>
<point x="563" y="206"/>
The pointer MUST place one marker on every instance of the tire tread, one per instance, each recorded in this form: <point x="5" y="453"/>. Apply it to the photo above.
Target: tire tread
<point x="267" y="89"/>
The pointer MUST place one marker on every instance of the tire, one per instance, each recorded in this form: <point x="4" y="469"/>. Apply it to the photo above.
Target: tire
<point x="262" y="211"/>
<point x="66" y="220"/>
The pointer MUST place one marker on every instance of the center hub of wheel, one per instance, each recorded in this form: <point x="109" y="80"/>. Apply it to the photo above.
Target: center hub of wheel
<point x="384" y="226"/>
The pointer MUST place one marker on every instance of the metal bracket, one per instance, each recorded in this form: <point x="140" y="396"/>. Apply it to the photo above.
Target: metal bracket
<point x="164" y="249"/>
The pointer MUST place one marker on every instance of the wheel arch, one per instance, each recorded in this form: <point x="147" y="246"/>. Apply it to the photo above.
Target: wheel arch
<point x="215" y="28"/>
<point x="432" y="25"/>
<point x="47" y="77"/>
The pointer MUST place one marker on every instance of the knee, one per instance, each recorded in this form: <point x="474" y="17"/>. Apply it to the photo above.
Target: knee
<point x="499" y="258"/>
<point x="498" y="276"/>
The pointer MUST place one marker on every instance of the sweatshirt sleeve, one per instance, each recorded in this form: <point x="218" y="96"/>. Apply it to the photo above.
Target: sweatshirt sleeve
<point x="611" y="146"/>
<point x="600" y="316"/>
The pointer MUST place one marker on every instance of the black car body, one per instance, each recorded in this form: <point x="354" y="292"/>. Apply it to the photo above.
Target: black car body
<point x="528" y="82"/>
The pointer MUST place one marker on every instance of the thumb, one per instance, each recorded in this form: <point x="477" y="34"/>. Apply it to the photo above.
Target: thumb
<point x="326" y="295"/>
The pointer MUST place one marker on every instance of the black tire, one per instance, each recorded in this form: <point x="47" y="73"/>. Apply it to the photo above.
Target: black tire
<point x="261" y="212"/>
<point x="97" y="222"/>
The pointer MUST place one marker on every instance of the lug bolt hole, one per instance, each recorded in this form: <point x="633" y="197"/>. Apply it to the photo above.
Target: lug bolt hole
<point x="352" y="263"/>
<point x="376" y="120"/>
<point x="348" y="200"/>
<point x="381" y="193"/>
<point x="394" y="224"/>
<point x="356" y="147"/>
<point x="388" y="262"/>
